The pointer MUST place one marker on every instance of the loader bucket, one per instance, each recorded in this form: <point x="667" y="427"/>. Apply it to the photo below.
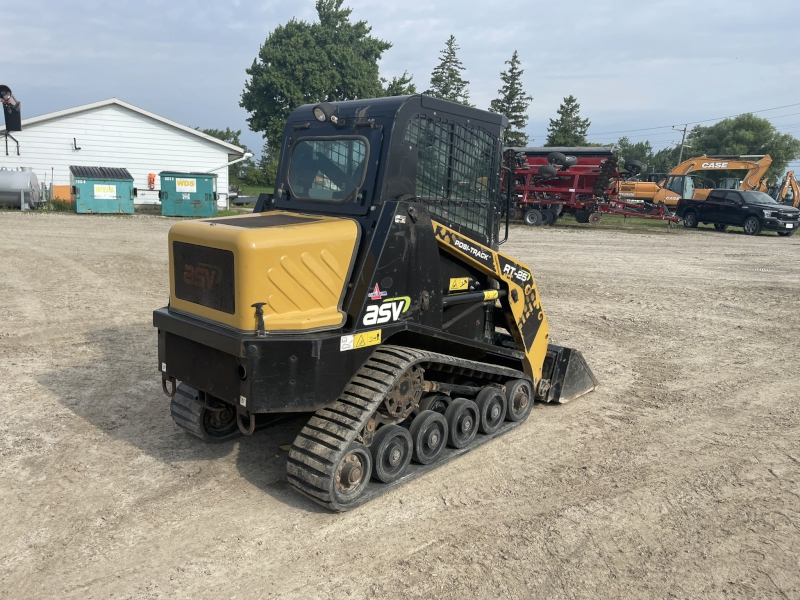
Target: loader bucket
<point x="570" y="377"/>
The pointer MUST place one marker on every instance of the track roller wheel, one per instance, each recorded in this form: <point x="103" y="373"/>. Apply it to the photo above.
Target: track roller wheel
<point x="519" y="397"/>
<point x="594" y="218"/>
<point x="429" y="432"/>
<point x="491" y="403"/>
<point x="211" y="422"/>
<point x="463" y="418"/>
<point x="352" y="474"/>
<point x="435" y="402"/>
<point x="391" y="451"/>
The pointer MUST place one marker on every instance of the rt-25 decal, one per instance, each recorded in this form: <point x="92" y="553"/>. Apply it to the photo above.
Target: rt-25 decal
<point x="389" y="310"/>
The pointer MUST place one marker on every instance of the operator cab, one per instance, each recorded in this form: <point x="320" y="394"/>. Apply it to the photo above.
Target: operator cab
<point x="730" y="183"/>
<point x="349" y="158"/>
<point x="683" y="185"/>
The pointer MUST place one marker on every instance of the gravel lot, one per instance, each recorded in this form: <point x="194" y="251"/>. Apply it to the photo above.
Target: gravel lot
<point x="679" y="477"/>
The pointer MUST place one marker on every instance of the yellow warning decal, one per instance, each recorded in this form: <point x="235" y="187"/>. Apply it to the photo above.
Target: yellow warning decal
<point x="490" y="295"/>
<point x="459" y="283"/>
<point x="360" y="340"/>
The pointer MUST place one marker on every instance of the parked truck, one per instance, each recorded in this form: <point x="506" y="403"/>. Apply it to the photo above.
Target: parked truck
<point x="751" y="210"/>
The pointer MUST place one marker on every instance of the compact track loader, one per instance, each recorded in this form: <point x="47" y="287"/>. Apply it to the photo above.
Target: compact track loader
<point x="370" y="294"/>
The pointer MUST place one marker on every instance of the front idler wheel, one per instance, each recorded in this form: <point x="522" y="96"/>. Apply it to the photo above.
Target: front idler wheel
<point x="220" y="421"/>
<point x="463" y="418"/>
<point x="491" y="403"/>
<point x="202" y="415"/>
<point x="429" y="432"/>
<point x="519" y="396"/>
<point x="351" y="474"/>
<point x="391" y="451"/>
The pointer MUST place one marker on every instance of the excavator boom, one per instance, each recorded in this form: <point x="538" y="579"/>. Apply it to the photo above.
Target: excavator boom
<point x="789" y="183"/>
<point x="755" y="164"/>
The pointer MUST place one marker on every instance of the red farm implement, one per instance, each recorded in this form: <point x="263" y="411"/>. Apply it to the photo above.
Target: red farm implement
<point x="552" y="182"/>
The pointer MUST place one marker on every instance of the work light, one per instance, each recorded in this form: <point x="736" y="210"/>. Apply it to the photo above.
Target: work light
<point x="325" y="111"/>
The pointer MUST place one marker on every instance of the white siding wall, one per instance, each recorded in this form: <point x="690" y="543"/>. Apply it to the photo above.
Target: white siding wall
<point x="114" y="136"/>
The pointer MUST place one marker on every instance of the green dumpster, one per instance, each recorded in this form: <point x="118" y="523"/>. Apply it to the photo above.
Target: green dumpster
<point x="101" y="190"/>
<point x="188" y="194"/>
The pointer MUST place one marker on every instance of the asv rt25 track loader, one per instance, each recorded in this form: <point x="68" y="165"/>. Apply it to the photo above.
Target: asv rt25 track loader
<point x="372" y="296"/>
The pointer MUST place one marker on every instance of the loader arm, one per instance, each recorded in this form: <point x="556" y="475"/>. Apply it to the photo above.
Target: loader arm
<point x="526" y="319"/>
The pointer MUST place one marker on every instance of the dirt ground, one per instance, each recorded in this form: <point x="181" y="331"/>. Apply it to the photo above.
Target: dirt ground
<point x="679" y="477"/>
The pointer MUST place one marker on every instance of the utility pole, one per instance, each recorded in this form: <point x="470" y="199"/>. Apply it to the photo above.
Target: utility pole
<point x="683" y="139"/>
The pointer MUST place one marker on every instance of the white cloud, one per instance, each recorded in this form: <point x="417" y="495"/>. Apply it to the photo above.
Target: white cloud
<point x="630" y="64"/>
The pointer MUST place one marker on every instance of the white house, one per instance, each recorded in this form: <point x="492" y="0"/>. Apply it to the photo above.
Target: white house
<point x="113" y="133"/>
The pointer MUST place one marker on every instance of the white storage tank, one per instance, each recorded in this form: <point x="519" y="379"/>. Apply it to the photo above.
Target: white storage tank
<point x="19" y="188"/>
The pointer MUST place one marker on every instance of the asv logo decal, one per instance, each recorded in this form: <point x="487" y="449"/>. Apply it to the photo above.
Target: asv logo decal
<point x="719" y="165"/>
<point x="389" y="310"/>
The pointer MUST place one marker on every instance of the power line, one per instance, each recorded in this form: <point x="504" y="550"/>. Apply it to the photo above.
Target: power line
<point x="703" y="121"/>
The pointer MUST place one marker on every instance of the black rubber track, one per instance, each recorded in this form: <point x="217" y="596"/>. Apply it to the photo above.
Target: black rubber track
<point x="328" y="434"/>
<point x="188" y="412"/>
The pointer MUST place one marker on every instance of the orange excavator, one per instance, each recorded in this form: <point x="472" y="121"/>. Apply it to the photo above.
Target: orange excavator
<point x="787" y="192"/>
<point x="679" y="183"/>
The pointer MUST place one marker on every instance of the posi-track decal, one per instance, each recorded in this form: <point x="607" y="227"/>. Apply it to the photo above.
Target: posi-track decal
<point x="479" y="253"/>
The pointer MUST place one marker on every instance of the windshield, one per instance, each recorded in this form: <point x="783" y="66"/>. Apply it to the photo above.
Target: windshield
<point x="327" y="170"/>
<point x="758" y="198"/>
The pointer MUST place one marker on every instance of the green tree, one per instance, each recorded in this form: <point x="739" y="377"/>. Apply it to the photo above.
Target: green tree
<point x="746" y="134"/>
<point x="446" y="80"/>
<point x="400" y="86"/>
<point x="513" y="103"/>
<point x="664" y="160"/>
<point x="247" y="172"/>
<point x="641" y="151"/>
<point x="331" y="60"/>
<point x="568" y="129"/>
<point x="226" y="135"/>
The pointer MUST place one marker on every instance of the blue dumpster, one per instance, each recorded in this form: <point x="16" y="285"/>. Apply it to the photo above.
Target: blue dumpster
<point x="188" y="194"/>
<point x="101" y="190"/>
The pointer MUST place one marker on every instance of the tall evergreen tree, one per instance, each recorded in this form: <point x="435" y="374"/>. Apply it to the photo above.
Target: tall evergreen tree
<point x="400" y="86"/>
<point x="446" y="80"/>
<point x="568" y="129"/>
<point x="300" y="63"/>
<point x="513" y="103"/>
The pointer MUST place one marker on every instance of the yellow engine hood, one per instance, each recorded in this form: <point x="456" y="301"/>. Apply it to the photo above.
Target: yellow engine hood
<point x="298" y="264"/>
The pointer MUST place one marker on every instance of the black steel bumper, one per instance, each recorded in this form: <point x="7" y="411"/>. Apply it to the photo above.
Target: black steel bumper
<point x="774" y="224"/>
<point x="286" y="373"/>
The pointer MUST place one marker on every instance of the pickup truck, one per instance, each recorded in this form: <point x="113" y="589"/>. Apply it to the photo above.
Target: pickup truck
<point x="753" y="211"/>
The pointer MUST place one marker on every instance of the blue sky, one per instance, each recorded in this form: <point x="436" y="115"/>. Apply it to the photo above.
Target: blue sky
<point x="630" y="64"/>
